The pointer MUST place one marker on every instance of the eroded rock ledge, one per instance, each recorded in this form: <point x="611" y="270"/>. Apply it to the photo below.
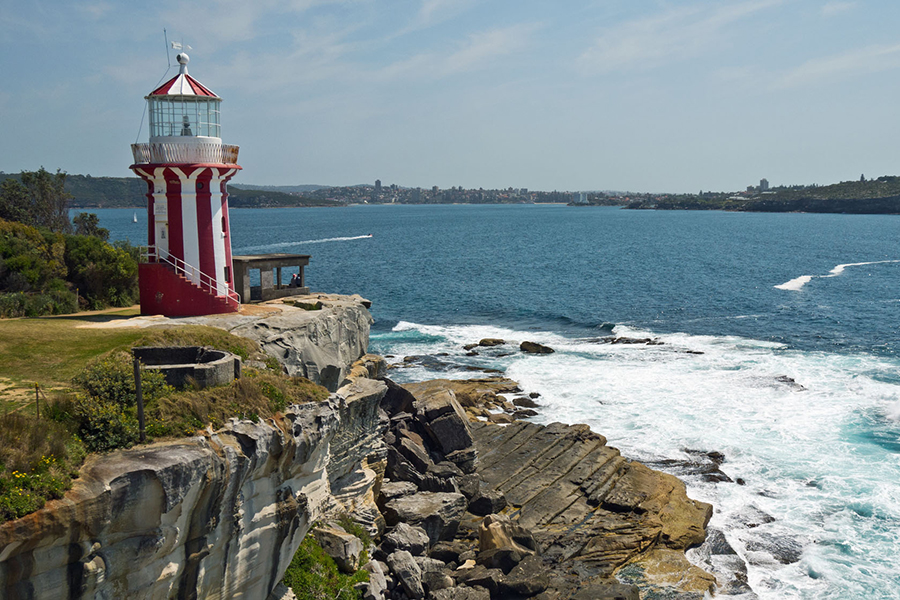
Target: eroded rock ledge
<point x="216" y="516"/>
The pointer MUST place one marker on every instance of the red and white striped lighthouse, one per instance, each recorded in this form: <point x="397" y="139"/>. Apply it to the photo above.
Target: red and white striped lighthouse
<point x="188" y="270"/>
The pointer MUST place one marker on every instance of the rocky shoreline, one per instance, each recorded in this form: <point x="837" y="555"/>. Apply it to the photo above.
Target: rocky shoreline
<point x="476" y="509"/>
<point x="464" y="498"/>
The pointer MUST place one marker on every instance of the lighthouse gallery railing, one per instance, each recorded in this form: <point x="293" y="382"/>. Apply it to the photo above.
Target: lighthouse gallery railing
<point x="190" y="272"/>
<point x="162" y="153"/>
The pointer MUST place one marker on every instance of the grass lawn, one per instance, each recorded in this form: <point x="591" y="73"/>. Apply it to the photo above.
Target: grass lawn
<point x="49" y="351"/>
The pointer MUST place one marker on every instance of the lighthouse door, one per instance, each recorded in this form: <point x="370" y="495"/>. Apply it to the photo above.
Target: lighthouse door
<point x="161" y="227"/>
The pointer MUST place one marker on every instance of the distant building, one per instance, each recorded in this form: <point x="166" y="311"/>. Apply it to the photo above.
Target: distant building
<point x="763" y="184"/>
<point x="580" y="198"/>
<point x="377" y="186"/>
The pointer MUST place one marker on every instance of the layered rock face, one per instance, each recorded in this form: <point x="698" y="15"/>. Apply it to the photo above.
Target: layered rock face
<point x="216" y="516"/>
<point x="319" y="341"/>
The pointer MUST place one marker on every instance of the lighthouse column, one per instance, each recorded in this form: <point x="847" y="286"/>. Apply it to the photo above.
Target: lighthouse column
<point x="187" y="168"/>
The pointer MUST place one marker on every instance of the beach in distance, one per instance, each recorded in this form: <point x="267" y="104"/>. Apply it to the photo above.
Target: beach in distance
<point x="775" y="343"/>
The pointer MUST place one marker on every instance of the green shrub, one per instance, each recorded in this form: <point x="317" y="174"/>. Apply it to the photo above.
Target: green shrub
<point x="313" y="575"/>
<point x="104" y="425"/>
<point x="105" y="275"/>
<point x="21" y="304"/>
<point x="29" y="258"/>
<point x="110" y="379"/>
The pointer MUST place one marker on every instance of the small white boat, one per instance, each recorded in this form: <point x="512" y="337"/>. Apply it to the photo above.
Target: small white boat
<point x="134" y="219"/>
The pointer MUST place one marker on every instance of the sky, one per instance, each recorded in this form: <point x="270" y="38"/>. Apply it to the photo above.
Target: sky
<point x="637" y="95"/>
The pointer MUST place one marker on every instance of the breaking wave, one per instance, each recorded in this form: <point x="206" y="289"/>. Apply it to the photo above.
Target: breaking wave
<point x="797" y="283"/>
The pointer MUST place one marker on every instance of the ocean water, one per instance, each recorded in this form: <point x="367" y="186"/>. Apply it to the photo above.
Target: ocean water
<point x="779" y="349"/>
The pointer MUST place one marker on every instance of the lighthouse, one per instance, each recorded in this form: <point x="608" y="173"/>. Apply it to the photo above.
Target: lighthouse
<point x="187" y="270"/>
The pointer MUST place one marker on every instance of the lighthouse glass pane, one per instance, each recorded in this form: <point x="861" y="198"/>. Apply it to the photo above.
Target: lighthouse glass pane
<point x="184" y="117"/>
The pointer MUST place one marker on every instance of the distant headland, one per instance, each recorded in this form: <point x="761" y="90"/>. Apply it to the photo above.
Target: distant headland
<point x="864" y="196"/>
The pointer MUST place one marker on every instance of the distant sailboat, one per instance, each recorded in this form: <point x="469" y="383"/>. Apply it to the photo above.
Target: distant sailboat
<point x="134" y="220"/>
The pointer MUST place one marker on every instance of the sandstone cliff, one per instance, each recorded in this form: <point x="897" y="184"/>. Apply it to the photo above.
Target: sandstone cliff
<point x="319" y="338"/>
<point x="217" y="516"/>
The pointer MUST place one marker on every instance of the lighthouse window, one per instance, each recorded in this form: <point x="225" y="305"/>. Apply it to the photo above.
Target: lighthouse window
<point x="184" y="116"/>
<point x="224" y="229"/>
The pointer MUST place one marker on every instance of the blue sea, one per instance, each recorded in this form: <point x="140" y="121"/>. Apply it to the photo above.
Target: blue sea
<point x="780" y="348"/>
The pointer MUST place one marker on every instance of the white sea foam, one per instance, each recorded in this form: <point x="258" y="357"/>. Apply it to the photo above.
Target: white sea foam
<point x="805" y="449"/>
<point x="280" y="245"/>
<point x="798" y="283"/>
<point x="795" y="284"/>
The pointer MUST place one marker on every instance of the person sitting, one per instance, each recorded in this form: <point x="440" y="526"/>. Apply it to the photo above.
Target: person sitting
<point x="294" y="282"/>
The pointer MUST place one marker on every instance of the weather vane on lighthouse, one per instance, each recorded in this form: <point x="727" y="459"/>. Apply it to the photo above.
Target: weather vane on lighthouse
<point x="188" y="270"/>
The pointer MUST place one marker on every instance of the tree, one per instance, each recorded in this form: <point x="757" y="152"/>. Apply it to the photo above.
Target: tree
<point x="49" y="199"/>
<point x="89" y="224"/>
<point x="14" y="202"/>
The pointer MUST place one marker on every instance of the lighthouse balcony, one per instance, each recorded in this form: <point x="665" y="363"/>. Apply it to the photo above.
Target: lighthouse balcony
<point x="179" y="152"/>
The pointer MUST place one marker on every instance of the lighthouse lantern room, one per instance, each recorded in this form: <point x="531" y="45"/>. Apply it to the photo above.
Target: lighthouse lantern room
<point x="188" y="268"/>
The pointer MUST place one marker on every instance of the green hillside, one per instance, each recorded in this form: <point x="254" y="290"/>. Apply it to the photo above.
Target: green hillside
<point x="129" y="192"/>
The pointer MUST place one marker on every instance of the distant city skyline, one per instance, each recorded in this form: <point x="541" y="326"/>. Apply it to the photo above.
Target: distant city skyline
<point x="661" y="96"/>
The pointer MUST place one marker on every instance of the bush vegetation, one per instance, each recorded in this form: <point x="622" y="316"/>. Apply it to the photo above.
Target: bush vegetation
<point x="45" y="270"/>
<point x="313" y="575"/>
<point x="38" y="459"/>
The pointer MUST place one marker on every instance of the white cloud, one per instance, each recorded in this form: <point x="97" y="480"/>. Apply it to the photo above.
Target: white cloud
<point x="433" y="12"/>
<point x="482" y="48"/>
<point x="221" y="22"/>
<point x="871" y="59"/>
<point x="673" y="35"/>
<point x="836" y="7"/>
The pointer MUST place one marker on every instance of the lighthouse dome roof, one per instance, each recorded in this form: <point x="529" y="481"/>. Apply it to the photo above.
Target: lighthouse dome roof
<point x="183" y="84"/>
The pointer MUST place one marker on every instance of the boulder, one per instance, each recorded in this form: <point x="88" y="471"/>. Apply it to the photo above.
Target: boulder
<point x="405" y="537"/>
<point x="343" y="547"/>
<point x="497" y="531"/>
<point x="489" y="342"/>
<point x="469" y="485"/>
<point x="399" y="468"/>
<point x="535" y="348"/>
<point x="435" y="575"/>
<point x="404" y="567"/>
<point x="451" y="431"/>
<point x="483" y="577"/>
<point x="396" y="489"/>
<point x="377" y="581"/>
<point x="782" y="548"/>
<point x="438" y="513"/>
<point x="415" y="453"/>
<point x="504" y="559"/>
<point x="397" y="399"/>
<point x="466" y="459"/>
<point x="525" y="402"/>
<point x="487" y="502"/>
<point x="436" y="580"/>
<point x="528" y="578"/>
<point x="500" y="418"/>
<point x="448" y="551"/>
<point x="461" y="593"/>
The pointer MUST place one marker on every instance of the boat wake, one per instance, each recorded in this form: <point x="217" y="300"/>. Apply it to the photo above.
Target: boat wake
<point x="282" y="245"/>
<point x="797" y="283"/>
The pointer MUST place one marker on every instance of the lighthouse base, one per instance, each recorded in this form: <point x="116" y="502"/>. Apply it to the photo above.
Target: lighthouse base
<point x="164" y="292"/>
